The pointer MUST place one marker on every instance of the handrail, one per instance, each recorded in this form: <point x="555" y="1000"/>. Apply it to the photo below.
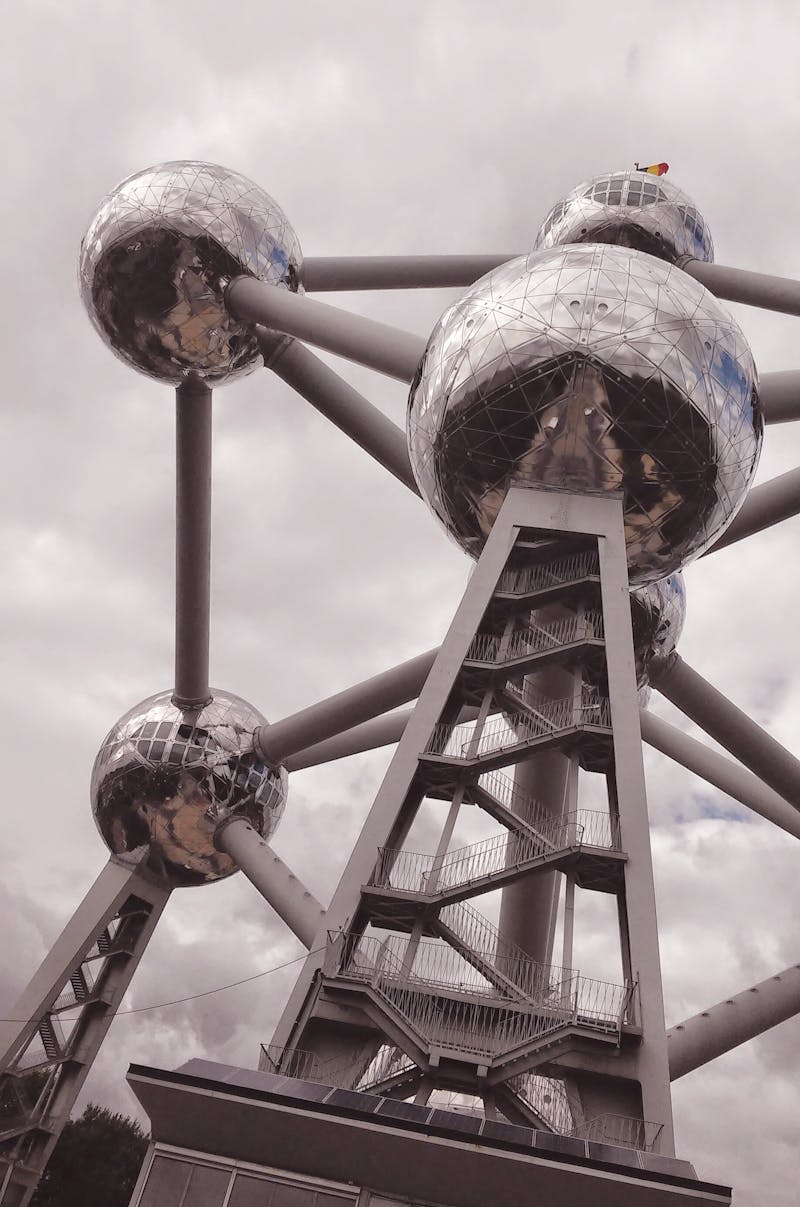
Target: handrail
<point x="412" y="871"/>
<point x="559" y="572"/>
<point x="448" y="1009"/>
<point x="541" y="718"/>
<point x="536" y="638"/>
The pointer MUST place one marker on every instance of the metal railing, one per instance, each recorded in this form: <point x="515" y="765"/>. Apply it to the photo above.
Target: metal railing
<point x="625" y="1132"/>
<point x="552" y="574"/>
<point x="290" y="1062"/>
<point x="418" y="873"/>
<point x="536" y="638"/>
<point x="542" y="718"/>
<point x="448" y="1004"/>
<point x="547" y="1097"/>
<point x="389" y="1062"/>
<point x="346" y="1074"/>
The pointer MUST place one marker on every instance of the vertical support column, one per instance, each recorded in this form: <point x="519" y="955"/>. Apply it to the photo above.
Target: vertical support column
<point x="528" y="907"/>
<point x="638" y="923"/>
<point x="192" y="543"/>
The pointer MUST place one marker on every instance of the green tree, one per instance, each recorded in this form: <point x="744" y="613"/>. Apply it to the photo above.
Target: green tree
<point x="95" y="1162"/>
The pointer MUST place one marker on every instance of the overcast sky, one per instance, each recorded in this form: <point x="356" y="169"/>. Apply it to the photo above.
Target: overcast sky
<point x="380" y="128"/>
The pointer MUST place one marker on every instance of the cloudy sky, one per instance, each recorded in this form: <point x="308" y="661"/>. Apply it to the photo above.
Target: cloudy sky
<point x="415" y="127"/>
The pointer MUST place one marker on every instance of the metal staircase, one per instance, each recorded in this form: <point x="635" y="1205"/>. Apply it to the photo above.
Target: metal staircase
<point x="451" y="1002"/>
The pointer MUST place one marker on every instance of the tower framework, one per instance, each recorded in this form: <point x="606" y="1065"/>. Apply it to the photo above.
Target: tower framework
<point x="410" y="990"/>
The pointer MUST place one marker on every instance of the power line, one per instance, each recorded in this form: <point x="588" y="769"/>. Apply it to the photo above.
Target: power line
<point x="191" y="997"/>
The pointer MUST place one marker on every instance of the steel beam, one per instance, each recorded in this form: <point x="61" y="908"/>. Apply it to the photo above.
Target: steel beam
<point x="729" y="777"/>
<point x="54" y="1032"/>
<point x="192" y="544"/>
<point x="751" y="288"/>
<point x="766" y="505"/>
<point x="729" y="726"/>
<point x="336" y="400"/>
<point x="330" y="273"/>
<point x="779" y="394"/>
<point x="276" y="883"/>
<point x="380" y="731"/>
<point x="376" y="345"/>
<point x="372" y="698"/>
<point x="702" y="1038"/>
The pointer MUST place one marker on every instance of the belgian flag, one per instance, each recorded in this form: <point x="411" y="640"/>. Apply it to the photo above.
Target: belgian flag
<point x="655" y="169"/>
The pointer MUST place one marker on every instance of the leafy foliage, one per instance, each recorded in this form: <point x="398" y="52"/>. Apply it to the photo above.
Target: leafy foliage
<point x="95" y="1162"/>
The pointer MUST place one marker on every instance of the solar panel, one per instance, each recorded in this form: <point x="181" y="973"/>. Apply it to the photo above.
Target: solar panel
<point x="493" y="1129"/>
<point x="404" y="1110"/>
<point x="353" y="1100"/>
<point x="455" y="1122"/>
<point x="613" y="1154"/>
<point x="656" y="1163"/>
<point x="570" y="1146"/>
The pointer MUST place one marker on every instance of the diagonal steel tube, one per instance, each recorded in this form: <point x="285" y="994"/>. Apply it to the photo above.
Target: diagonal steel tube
<point x="376" y="345"/>
<point x="766" y="505"/>
<point x="731" y="727"/>
<point x="266" y="871"/>
<point x="704" y="1036"/>
<point x="330" y="273"/>
<point x="724" y="774"/>
<point x="362" y="702"/>
<point x="336" y="400"/>
<point x="779" y="394"/>
<point x="192" y="544"/>
<point x="751" y="288"/>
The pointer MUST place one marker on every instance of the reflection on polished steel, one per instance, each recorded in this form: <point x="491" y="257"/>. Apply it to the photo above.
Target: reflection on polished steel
<point x="158" y="255"/>
<point x="589" y="368"/>
<point x="631" y="209"/>
<point x="658" y="614"/>
<point x="165" y="777"/>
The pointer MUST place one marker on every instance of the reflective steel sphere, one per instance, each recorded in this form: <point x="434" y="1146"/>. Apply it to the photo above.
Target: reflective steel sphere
<point x="156" y="259"/>
<point x="594" y="369"/>
<point x="164" y="778"/>
<point x="658" y="613"/>
<point x="632" y="209"/>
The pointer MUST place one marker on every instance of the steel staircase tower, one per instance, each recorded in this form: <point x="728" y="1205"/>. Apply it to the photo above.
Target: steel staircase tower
<point x="409" y="988"/>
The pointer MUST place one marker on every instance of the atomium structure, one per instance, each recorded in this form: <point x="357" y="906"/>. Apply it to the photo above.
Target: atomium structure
<point x="583" y="420"/>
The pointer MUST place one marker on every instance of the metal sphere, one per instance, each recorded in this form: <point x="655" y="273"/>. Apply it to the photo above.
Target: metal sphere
<point x="595" y="369"/>
<point x="165" y="777"/>
<point x="658" y="614"/>
<point x="157" y="257"/>
<point x="631" y="209"/>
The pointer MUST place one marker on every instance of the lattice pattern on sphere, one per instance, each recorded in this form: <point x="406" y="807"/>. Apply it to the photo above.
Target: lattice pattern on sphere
<point x="633" y="210"/>
<point x="658" y="614"/>
<point x="156" y="258"/>
<point x="589" y="368"/>
<point x="164" y="778"/>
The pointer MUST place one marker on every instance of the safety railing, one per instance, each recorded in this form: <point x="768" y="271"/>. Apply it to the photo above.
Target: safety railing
<point x="410" y="871"/>
<point x="541" y="718"/>
<point x="290" y="1062"/>
<point x="625" y="1132"/>
<point x="388" y="1062"/>
<point x="449" y="1004"/>
<point x="547" y="1097"/>
<point x="536" y="638"/>
<point x="561" y="571"/>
